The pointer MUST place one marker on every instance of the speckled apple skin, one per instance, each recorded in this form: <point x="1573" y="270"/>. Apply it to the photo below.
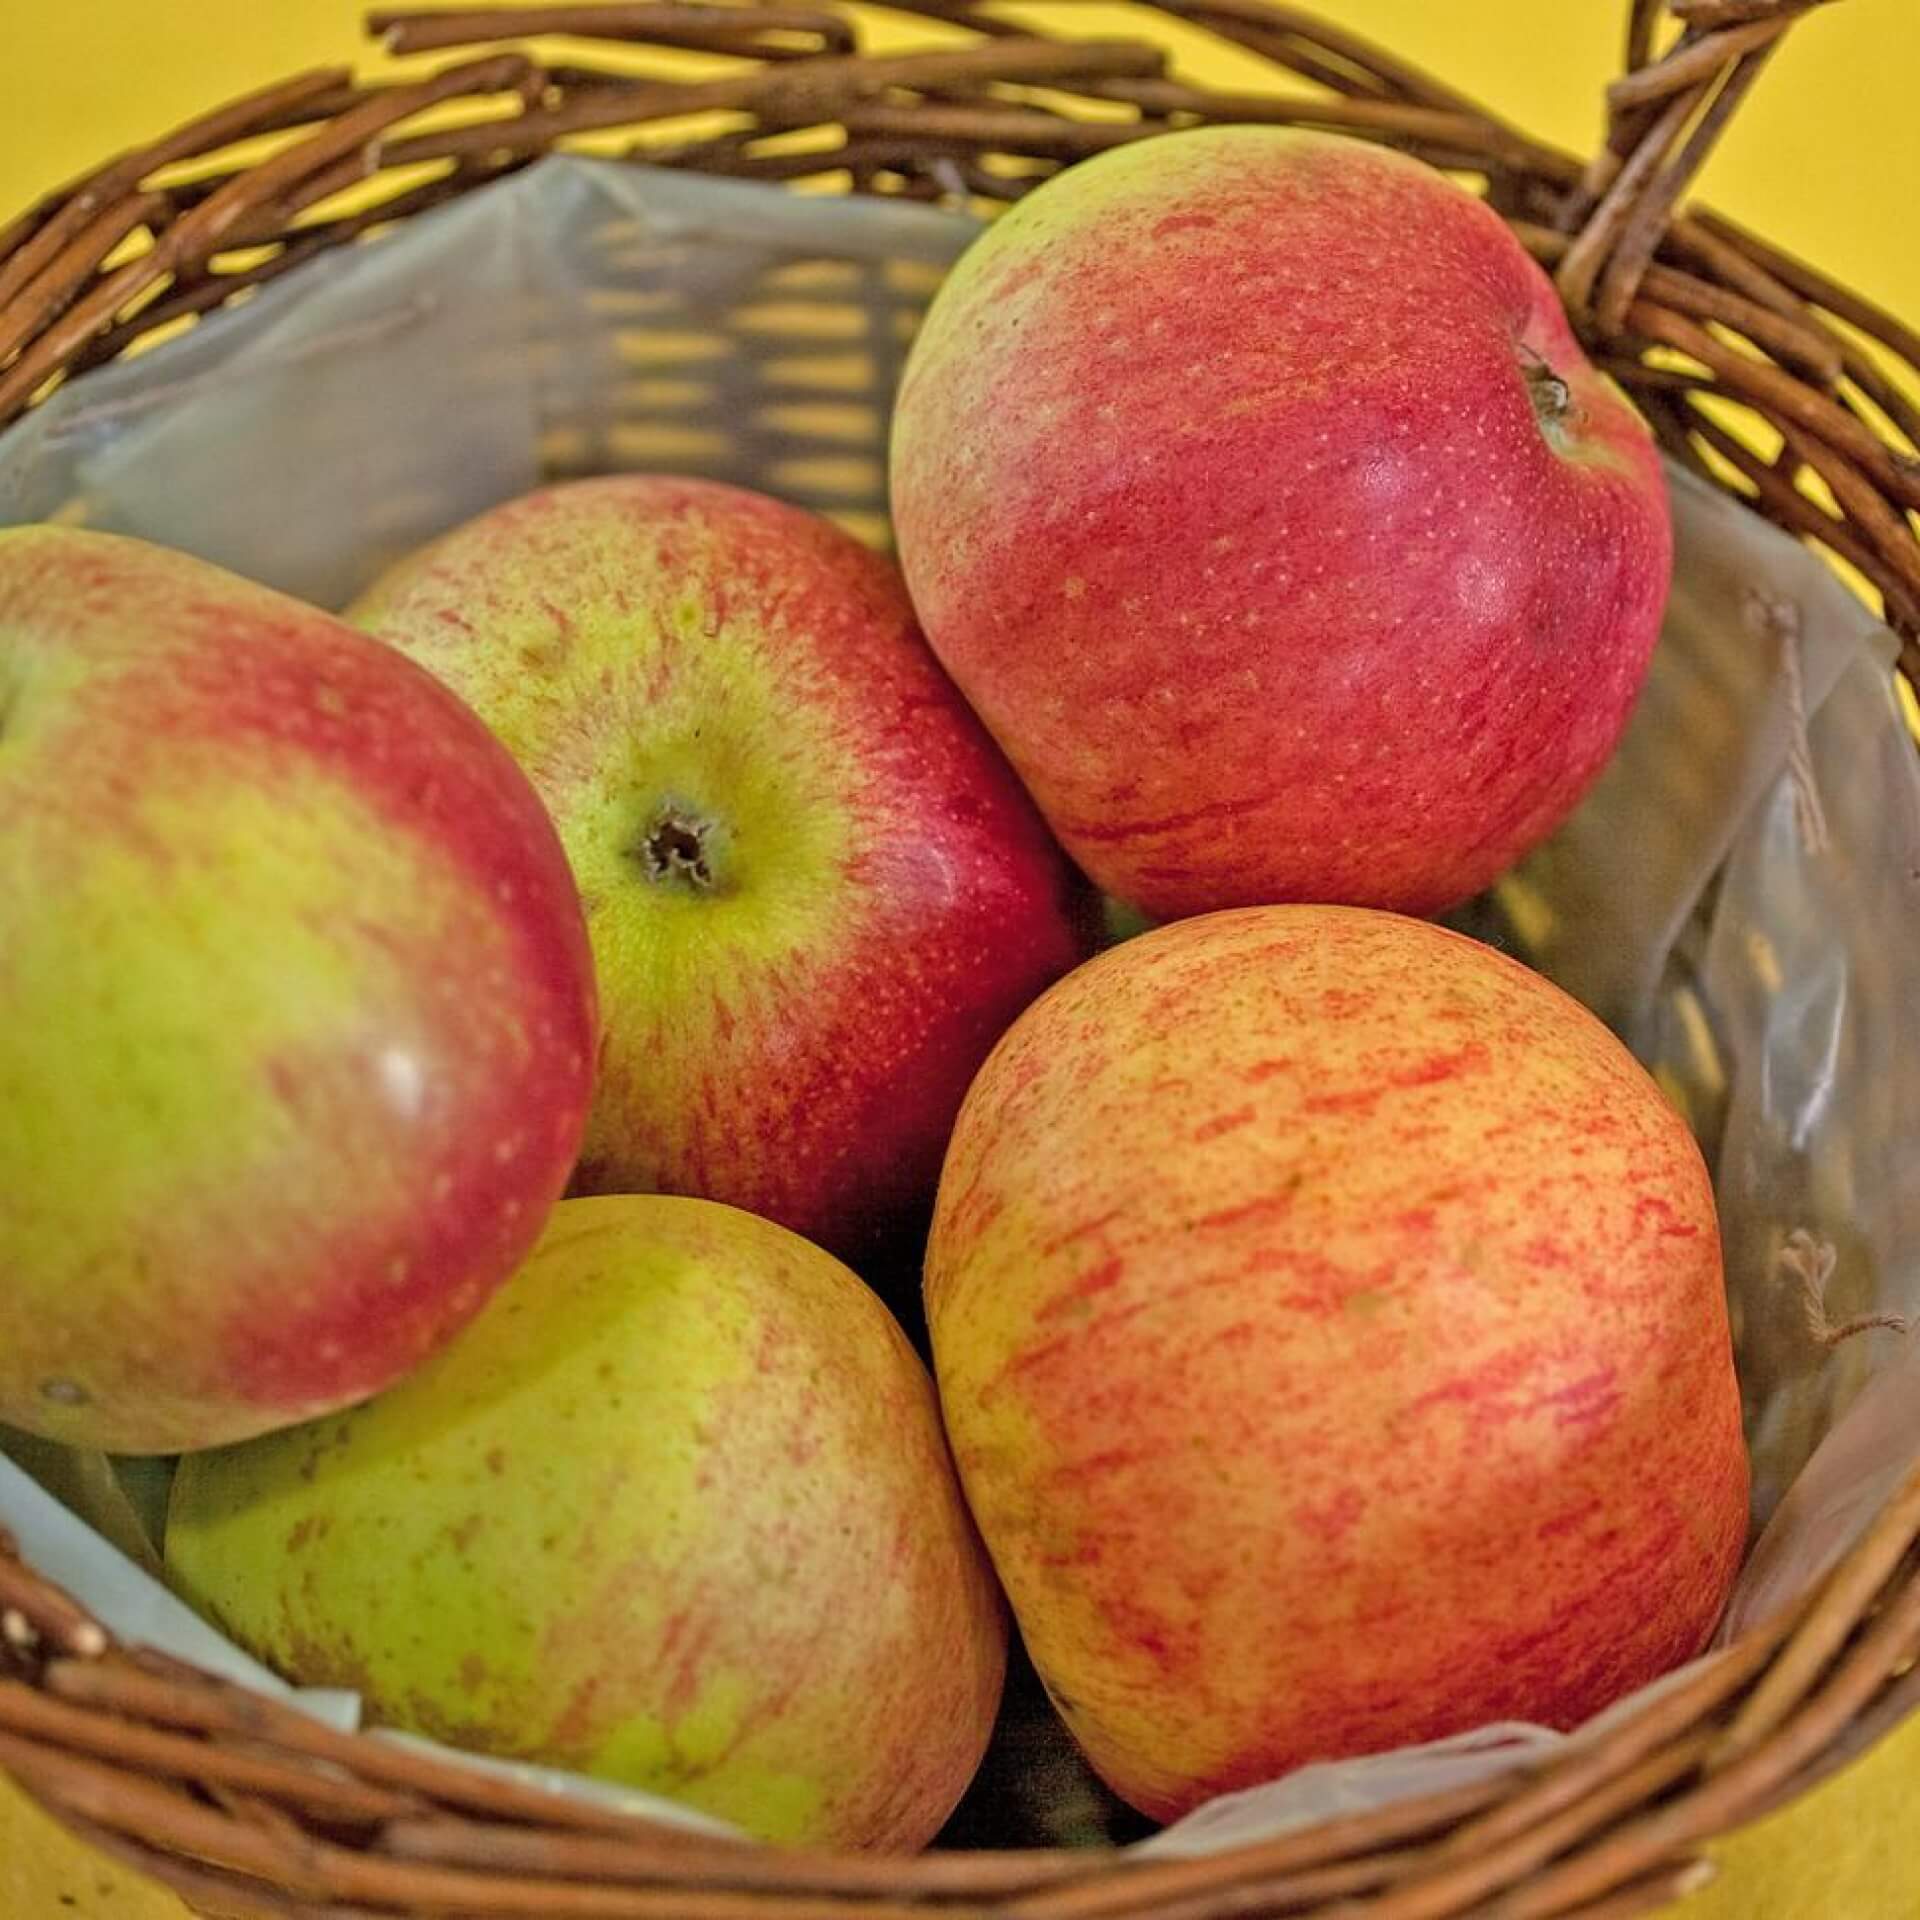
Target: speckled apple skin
<point x="296" y="1005"/>
<point x="1329" y="1325"/>
<point x="795" y="1041"/>
<point x="1222" y="493"/>
<point x="676" y="1511"/>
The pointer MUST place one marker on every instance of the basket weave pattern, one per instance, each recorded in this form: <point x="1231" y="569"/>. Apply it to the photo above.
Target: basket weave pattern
<point x="1681" y="307"/>
<point x="250" y="1809"/>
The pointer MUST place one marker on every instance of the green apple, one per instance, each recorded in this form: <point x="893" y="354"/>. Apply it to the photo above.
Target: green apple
<point x="676" y="1511"/>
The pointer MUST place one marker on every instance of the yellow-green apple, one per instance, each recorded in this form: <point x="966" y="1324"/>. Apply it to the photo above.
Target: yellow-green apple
<point x="1328" y="1319"/>
<point x="815" y="891"/>
<point x="299" y="1015"/>
<point x="676" y="1511"/>
<point x="1253" y="489"/>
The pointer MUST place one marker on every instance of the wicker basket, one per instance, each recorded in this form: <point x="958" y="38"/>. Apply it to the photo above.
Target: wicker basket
<point x="249" y="1808"/>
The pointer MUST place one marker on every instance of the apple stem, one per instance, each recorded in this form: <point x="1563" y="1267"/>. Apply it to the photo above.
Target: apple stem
<point x="1551" y="396"/>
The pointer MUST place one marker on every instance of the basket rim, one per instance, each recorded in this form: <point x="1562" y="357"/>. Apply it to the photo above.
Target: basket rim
<point x="240" y="1804"/>
<point x="92" y="1729"/>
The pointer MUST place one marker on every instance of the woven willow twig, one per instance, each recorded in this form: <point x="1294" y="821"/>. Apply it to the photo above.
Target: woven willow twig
<point x="233" y="1798"/>
<point x="978" y="123"/>
<point x="249" y="1808"/>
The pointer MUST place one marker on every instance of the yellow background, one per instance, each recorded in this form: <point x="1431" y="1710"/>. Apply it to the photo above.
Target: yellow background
<point x="1824" y="159"/>
<point x="1824" y="156"/>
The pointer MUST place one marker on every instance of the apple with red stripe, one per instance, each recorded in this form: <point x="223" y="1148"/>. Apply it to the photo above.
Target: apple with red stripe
<point x="1329" y="1324"/>
<point x="300" y="1010"/>
<point x="1255" y="492"/>
<point x="816" y="893"/>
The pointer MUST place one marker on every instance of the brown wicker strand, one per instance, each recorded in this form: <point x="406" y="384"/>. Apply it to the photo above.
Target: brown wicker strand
<point x="208" y="1890"/>
<point x="1569" y="1782"/>
<point x="46" y="1615"/>
<point x="1784" y="326"/>
<point x="1865" y="506"/>
<point x="1812" y="350"/>
<point x="1647" y="221"/>
<point x="1865" y="381"/>
<point x="248" y="1807"/>
<point x="29" y="1713"/>
<point x="660" y="23"/>
<point x="800" y="94"/>
<point x="51" y="290"/>
<point x="28" y="242"/>
<point x="1740" y="1789"/>
<point x="1731" y="13"/>
<point x="1788" y="400"/>
<point x="197" y="235"/>
<point x="1656" y="1890"/>
<point x="1470" y="1883"/>
<point x="1252" y="1868"/>
<point x="187" y="1702"/>
<point x="1874" y="321"/>
<point x="1308" y="1891"/>
<point x="1601" y="229"/>
<point x="315" y="1868"/>
<point x="1691" y="65"/>
<point x="1849" y="1589"/>
<point x="1776" y="496"/>
<point x="643" y="1860"/>
<point x="130" y="1803"/>
<point x="192" y="296"/>
<point x="1643" y="22"/>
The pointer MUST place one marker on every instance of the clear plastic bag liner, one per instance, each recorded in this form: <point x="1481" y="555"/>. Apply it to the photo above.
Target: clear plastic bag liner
<point x="1739" y="896"/>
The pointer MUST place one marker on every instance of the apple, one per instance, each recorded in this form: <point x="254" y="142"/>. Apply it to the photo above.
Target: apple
<point x="815" y="891"/>
<point x="299" y="1006"/>
<point x="676" y="1511"/>
<point x="1251" y="486"/>
<point x="1329" y="1324"/>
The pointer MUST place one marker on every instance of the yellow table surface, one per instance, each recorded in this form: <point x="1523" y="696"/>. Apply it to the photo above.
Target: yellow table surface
<point x="1824" y="159"/>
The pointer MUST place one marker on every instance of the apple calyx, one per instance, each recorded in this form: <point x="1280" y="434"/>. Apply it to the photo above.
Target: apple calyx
<point x="679" y="849"/>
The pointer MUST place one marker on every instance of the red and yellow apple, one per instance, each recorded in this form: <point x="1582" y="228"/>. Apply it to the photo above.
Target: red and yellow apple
<point x="675" y="1511"/>
<point x="815" y="891"/>
<point x="1329" y="1325"/>
<point x="1253" y="489"/>
<point x="299" y="1015"/>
